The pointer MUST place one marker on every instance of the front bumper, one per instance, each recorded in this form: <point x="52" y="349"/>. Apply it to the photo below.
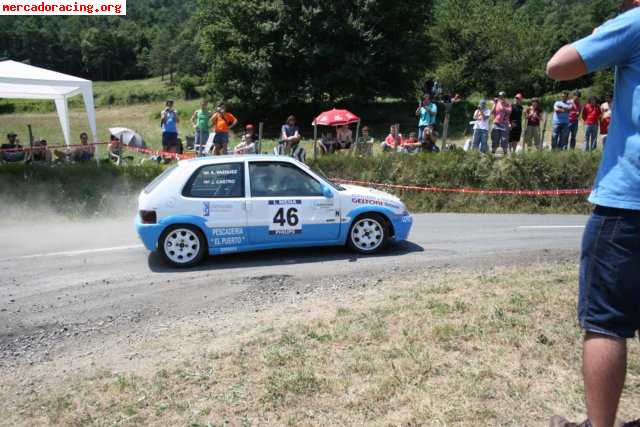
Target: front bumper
<point x="402" y="226"/>
<point x="149" y="233"/>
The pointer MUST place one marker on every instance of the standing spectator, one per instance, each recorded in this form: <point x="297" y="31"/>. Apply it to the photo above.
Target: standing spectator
<point x="533" y="115"/>
<point x="200" y="121"/>
<point x="516" y="123"/>
<point x="393" y="141"/>
<point x="501" y="121"/>
<point x="481" y="127"/>
<point x="605" y="121"/>
<point x="290" y="135"/>
<point x="169" y="122"/>
<point x="560" y="134"/>
<point x="574" y="118"/>
<point x="610" y="263"/>
<point x="222" y="122"/>
<point x="591" y="116"/>
<point x="428" y="113"/>
<point x="249" y="141"/>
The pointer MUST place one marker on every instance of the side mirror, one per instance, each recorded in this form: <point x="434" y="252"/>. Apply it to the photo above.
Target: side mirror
<point x="326" y="192"/>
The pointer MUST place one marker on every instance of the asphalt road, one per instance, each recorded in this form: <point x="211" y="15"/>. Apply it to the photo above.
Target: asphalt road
<point x="65" y="281"/>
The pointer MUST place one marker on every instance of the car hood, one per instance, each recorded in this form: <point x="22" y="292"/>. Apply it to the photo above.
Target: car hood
<point x="358" y="191"/>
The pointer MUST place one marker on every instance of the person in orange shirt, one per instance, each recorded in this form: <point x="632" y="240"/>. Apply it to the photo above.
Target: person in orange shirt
<point x="222" y="122"/>
<point x="411" y="144"/>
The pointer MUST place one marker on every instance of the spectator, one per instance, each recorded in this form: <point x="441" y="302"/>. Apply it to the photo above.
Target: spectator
<point x="249" y="141"/>
<point x="591" y="116"/>
<point x="574" y="118"/>
<point x="516" y="123"/>
<point x="610" y="262"/>
<point x="501" y="121"/>
<point x="481" y="127"/>
<point x="393" y="141"/>
<point x="344" y="135"/>
<point x="169" y="122"/>
<point x="12" y="151"/>
<point x="222" y="122"/>
<point x="39" y="153"/>
<point x="365" y="143"/>
<point x="560" y="134"/>
<point x="411" y="144"/>
<point x="430" y="141"/>
<point x="605" y="121"/>
<point x="328" y="142"/>
<point x="200" y="121"/>
<point x="428" y="112"/>
<point x="290" y="135"/>
<point x="114" y="150"/>
<point x="81" y="153"/>
<point x="533" y="116"/>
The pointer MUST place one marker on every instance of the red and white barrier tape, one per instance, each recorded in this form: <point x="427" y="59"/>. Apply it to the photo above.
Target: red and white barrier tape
<point x="528" y="193"/>
<point x="48" y="147"/>
<point x="163" y="154"/>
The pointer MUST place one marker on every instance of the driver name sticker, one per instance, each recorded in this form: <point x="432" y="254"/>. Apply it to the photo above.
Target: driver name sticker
<point x="285" y="217"/>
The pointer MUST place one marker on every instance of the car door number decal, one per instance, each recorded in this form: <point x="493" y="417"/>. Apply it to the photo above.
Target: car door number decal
<point x="285" y="219"/>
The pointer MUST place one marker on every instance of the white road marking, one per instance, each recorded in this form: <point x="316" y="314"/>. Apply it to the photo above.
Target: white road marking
<point x="551" y="227"/>
<point x="82" y="252"/>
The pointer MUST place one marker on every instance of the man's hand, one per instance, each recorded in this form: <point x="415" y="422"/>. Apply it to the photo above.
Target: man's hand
<point x="566" y="64"/>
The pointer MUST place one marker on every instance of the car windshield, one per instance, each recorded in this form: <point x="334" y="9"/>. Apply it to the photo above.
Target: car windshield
<point x="336" y="186"/>
<point x="164" y="175"/>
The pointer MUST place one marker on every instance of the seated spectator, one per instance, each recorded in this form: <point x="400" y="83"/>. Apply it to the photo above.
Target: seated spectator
<point x="12" y="151"/>
<point x="393" y="141"/>
<point x="328" y="142"/>
<point x="430" y="142"/>
<point x="344" y="137"/>
<point x="40" y="152"/>
<point x="80" y="153"/>
<point x="114" y="149"/>
<point x="290" y="135"/>
<point x="249" y="141"/>
<point x="411" y="144"/>
<point x="365" y="143"/>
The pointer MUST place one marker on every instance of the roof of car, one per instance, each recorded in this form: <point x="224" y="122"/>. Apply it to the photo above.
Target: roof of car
<point x="222" y="159"/>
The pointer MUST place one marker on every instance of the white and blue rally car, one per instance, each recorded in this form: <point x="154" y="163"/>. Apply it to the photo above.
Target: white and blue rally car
<point x="227" y="204"/>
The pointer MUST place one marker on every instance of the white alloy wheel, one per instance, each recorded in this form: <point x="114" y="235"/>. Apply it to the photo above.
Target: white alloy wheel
<point x="367" y="235"/>
<point x="182" y="246"/>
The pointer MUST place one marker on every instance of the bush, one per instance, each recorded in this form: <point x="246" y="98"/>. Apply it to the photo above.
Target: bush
<point x="531" y="171"/>
<point x="188" y="86"/>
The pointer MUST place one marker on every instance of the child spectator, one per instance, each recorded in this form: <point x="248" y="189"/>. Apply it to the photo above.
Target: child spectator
<point x="411" y="144"/>
<point x="430" y="141"/>
<point x="591" y="116"/>
<point x="221" y="122"/>
<point x="533" y="116"/>
<point x="393" y="141"/>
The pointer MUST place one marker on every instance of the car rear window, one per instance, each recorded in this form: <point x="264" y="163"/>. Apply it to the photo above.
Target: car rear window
<point x="164" y="175"/>
<point x="219" y="181"/>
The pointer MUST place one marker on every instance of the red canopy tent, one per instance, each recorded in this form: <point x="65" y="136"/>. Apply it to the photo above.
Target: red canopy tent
<point x="334" y="118"/>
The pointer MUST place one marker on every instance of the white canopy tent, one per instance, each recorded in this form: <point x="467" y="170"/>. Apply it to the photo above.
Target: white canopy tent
<point x="22" y="81"/>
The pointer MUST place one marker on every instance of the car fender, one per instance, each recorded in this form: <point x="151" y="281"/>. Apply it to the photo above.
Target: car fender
<point x="150" y="233"/>
<point x="354" y="213"/>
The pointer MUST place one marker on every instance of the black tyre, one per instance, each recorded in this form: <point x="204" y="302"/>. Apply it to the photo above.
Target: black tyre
<point x="182" y="246"/>
<point x="368" y="234"/>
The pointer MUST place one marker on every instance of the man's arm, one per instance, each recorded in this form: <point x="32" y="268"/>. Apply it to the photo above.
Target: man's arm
<point x="566" y="64"/>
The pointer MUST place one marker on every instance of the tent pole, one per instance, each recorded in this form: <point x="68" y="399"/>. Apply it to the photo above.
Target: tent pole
<point x="355" y="144"/>
<point x="315" y="141"/>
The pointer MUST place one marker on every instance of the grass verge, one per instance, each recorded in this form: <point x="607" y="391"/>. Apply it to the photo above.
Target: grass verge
<point x="495" y="347"/>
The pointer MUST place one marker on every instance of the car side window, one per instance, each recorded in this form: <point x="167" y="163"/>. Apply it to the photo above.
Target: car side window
<point x="280" y="179"/>
<point x="219" y="181"/>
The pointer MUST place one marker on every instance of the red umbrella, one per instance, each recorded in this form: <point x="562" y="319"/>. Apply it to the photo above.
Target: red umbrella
<point x="336" y="118"/>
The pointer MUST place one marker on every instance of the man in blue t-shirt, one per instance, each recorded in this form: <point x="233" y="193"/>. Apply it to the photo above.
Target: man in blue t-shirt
<point x="428" y="113"/>
<point x="560" y="134"/>
<point x="609" y="300"/>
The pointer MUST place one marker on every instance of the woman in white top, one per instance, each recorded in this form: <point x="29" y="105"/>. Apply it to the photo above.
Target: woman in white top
<point x="481" y="127"/>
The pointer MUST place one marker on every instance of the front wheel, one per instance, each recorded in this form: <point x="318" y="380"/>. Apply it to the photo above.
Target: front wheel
<point x="182" y="246"/>
<point x="368" y="234"/>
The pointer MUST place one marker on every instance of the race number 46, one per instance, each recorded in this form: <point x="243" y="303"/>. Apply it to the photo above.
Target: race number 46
<point x="285" y="219"/>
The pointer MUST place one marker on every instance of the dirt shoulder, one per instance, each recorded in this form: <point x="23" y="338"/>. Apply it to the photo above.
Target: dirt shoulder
<point x="424" y="347"/>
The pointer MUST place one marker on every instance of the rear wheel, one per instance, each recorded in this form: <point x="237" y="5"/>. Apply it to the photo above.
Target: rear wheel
<point x="182" y="245"/>
<point x="368" y="234"/>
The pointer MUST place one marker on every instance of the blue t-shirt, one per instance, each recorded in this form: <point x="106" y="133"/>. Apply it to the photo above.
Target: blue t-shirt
<point x="428" y="115"/>
<point x="561" y="118"/>
<point x="289" y="131"/>
<point x="170" y="122"/>
<point x="616" y="43"/>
